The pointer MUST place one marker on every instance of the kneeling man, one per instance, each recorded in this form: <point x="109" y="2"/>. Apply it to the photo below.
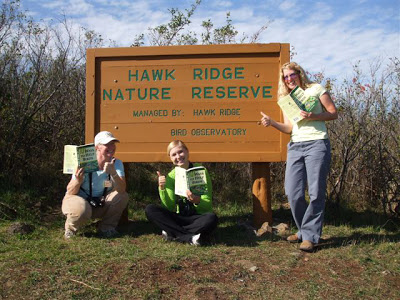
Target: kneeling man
<point x="101" y="194"/>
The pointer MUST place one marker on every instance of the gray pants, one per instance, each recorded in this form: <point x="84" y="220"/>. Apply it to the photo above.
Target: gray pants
<point x="307" y="162"/>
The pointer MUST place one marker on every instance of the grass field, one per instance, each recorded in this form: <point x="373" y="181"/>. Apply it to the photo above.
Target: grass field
<point x="357" y="259"/>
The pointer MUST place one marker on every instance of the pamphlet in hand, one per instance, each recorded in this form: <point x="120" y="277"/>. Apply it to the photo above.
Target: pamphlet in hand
<point x="193" y="179"/>
<point x="80" y="157"/>
<point x="295" y="102"/>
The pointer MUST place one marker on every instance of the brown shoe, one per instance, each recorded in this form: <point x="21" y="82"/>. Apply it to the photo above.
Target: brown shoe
<point x="307" y="246"/>
<point x="293" y="238"/>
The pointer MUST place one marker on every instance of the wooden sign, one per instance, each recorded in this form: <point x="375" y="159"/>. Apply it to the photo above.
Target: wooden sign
<point x="210" y="97"/>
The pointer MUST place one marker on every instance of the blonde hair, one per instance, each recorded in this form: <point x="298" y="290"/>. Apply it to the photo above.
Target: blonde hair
<point x="176" y="143"/>
<point x="305" y="82"/>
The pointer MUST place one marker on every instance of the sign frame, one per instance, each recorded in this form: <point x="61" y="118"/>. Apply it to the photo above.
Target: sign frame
<point x="201" y="150"/>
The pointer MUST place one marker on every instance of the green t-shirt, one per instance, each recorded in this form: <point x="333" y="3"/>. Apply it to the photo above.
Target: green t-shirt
<point x="310" y="130"/>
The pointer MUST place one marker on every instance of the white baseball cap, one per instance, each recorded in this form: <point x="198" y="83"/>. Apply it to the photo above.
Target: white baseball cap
<point x="104" y="137"/>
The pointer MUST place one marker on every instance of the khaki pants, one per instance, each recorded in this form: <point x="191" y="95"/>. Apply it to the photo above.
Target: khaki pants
<point x="78" y="211"/>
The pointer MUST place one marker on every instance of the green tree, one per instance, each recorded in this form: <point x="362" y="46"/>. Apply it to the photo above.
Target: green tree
<point x="42" y="99"/>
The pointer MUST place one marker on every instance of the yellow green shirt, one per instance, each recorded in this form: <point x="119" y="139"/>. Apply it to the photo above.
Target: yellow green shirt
<point x="310" y="130"/>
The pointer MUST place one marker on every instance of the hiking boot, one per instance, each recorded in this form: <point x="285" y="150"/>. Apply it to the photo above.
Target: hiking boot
<point x="307" y="246"/>
<point x="68" y="234"/>
<point x="195" y="240"/>
<point x="109" y="233"/>
<point x="293" y="238"/>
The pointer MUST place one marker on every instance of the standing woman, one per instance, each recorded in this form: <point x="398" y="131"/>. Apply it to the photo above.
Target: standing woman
<point x="183" y="219"/>
<point x="308" y="156"/>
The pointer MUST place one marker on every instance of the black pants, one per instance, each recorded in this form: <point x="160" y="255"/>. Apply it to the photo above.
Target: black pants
<point x="180" y="227"/>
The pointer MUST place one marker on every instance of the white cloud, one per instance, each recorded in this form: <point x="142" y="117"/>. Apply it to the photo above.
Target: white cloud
<point x="71" y="7"/>
<point x="222" y="4"/>
<point x="52" y="4"/>
<point x="320" y="12"/>
<point x="79" y="7"/>
<point x="287" y="5"/>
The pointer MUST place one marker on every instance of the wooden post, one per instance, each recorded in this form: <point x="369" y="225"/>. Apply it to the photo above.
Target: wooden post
<point x="261" y="194"/>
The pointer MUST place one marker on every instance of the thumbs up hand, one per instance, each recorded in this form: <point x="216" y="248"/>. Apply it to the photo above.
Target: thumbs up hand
<point x="161" y="180"/>
<point x="109" y="167"/>
<point x="265" y="120"/>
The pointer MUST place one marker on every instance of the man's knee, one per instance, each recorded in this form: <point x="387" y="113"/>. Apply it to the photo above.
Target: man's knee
<point x="76" y="207"/>
<point x="118" y="199"/>
<point x="124" y="199"/>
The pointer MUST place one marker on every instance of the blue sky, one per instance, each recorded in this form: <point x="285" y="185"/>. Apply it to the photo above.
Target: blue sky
<point x="328" y="36"/>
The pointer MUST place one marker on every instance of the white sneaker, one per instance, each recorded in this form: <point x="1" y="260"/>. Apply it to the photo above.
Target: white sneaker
<point x="165" y="236"/>
<point x="68" y="234"/>
<point x="196" y="240"/>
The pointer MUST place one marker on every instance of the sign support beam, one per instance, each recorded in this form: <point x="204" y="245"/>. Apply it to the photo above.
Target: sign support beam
<point x="261" y="178"/>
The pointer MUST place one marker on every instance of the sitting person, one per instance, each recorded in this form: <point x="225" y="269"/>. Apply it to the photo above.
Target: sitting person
<point x="183" y="219"/>
<point x="101" y="194"/>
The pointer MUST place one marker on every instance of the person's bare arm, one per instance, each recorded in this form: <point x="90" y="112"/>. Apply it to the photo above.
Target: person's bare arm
<point x="285" y="127"/>
<point x="75" y="183"/>
<point x="329" y="114"/>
